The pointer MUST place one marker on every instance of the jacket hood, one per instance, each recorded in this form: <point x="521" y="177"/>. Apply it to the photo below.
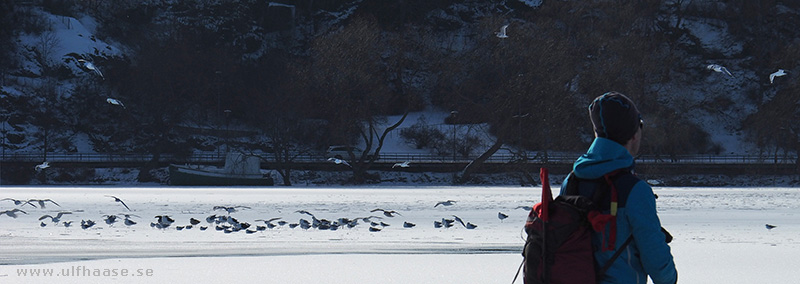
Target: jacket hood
<point x="603" y="156"/>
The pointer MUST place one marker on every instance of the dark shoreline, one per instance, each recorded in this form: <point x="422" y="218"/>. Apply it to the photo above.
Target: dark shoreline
<point x="685" y="176"/>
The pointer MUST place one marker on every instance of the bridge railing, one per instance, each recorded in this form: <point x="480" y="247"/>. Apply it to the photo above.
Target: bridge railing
<point x="551" y="158"/>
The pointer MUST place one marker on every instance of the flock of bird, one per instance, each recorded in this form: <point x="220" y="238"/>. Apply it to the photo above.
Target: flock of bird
<point x="224" y="221"/>
<point x="88" y="66"/>
<point x="722" y="69"/>
<point x="502" y="34"/>
<point x="165" y="221"/>
<point x="405" y="164"/>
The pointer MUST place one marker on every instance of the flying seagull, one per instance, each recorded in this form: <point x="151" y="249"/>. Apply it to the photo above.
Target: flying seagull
<point x="719" y="68"/>
<point x="115" y="102"/>
<point x="230" y="209"/>
<point x="502" y="33"/>
<point x="339" y="162"/>
<point x="120" y="201"/>
<point x="90" y="66"/>
<point x="405" y="164"/>
<point x="55" y="219"/>
<point x="42" y="166"/>
<point x="42" y="201"/>
<point x="778" y="73"/>
<point x="12" y="213"/>
<point x="445" y="203"/>
<point x="304" y="212"/>
<point x="19" y="202"/>
<point x="459" y="220"/>
<point x="387" y="213"/>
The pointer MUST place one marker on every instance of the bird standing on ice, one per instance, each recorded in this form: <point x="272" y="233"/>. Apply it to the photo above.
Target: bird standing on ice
<point x="85" y="224"/>
<point x="502" y="33"/>
<point x="501" y="216"/>
<point x="770" y="227"/>
<point x="719" y="68"/>
<point x="778" y="73"/>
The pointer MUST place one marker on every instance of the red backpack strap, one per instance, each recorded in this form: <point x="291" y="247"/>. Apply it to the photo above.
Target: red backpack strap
<point x="599" y="220"/>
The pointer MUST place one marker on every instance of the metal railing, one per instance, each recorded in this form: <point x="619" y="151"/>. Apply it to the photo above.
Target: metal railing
<point x="554" y="158"/>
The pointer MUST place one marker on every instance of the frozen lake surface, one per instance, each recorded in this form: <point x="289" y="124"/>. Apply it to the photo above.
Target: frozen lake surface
<point x="720" y="235"/>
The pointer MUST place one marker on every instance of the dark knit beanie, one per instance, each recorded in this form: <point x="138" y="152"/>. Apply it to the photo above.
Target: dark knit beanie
<point x="614" y="116"/>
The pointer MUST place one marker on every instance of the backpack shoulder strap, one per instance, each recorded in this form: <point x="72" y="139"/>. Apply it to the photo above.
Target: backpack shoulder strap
<point x="614" y="257"/>
<point x="572" y="184"/>
<point x="624" y="180"/>
<point x="621" y="183"/>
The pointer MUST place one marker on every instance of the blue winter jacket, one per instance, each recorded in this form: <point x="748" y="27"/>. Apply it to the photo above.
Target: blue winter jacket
<point x="648" y="254"/>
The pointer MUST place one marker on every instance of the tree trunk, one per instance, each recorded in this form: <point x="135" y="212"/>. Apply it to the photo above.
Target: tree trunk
<point x="466" y="174"/>
<point x="365" y="160"/>
<point x="286" y="174"/>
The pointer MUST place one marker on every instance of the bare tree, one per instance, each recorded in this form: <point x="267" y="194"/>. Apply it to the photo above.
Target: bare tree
<point x="372" y="137"/>
<point x="43" y="51"/>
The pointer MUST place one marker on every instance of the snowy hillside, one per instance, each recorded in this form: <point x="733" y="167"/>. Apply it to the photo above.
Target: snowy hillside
<point x="216" y="76"/>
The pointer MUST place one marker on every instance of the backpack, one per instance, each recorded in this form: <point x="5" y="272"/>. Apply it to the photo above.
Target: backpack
<point x="559" y="244"/>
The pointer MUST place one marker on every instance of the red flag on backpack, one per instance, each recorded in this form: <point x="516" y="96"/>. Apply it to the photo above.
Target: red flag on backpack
<point x="541" y="210"/>
<point x="547" y="195"/>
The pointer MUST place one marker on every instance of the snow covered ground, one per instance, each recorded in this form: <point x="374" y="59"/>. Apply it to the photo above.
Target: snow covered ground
<point x="720" y="235"/>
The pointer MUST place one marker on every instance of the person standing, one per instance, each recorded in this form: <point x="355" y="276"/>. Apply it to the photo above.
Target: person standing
<point x="636" y="229"/>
